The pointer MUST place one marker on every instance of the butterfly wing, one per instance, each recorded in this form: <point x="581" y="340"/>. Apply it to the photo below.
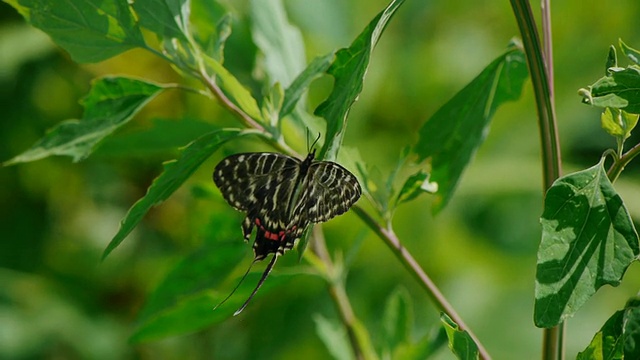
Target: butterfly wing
<point x="329" y="190"/>
<point x="260" y="184"/>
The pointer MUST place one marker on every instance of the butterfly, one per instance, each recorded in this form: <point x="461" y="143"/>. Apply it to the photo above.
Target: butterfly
<point x="281" y="196"/>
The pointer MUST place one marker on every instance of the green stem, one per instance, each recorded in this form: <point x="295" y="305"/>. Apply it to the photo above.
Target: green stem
<point x="339" y="296"/>
<point x="619" y="164"/>
<point x="391" y="240"/>
<point x="540" y="71"/>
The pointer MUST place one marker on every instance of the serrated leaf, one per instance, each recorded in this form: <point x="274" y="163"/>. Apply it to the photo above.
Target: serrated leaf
<point x="620" y="89"/>
<point x="397" y="320"/>
<point x="111" y="103"/>
<point x="460" y="343"/>
<point x="454" y="133"/>
<point x="174" y="175"/>
<point x="588" y="240"/>
<point x="89" y="30"/>
<point x="631" y="53"/>
<point x="334" y="337"/>
<point x="184" y="302"/>
<point x="166" y="18"/>
<point x="280" y="42"/>
<point x="348" y="69"/>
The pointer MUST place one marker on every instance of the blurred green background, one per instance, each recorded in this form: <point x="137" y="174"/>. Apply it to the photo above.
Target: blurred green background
<point x="58" y="301"/>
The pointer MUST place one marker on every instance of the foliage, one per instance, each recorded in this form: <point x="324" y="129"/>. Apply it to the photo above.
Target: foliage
<point x="588" y="236"/>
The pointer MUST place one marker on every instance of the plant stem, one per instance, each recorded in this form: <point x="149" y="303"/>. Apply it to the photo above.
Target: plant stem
<point x="339" y="295"/>
<point x="541" y="71"/>
<point x="618" y="165"/>
<point x="392" y="241"/>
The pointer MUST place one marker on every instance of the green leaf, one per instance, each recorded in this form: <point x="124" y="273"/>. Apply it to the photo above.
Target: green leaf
<point x="460" y="343"/>
<point x="175" y="173"/>
<point x="184" y="302"/>
<point x="620" y="89"/>
<point x="631" y="53"/>
<point x="280" y="42"/>
<point x="632" y="329"/>
<point x="348" y="69"/>
<point x="163" y="137"/>
<point x="454" y="133"/>
<point x="89" y="30"/>
<point x="612" y="60"/>
<point x="166" y="18"/>
<point x="301" y="83"/>
<point x="618" y="338"/>
<point x="415" y="185"/>
<point x="232" y="88"/>
<point x="334" y="337"/>
<point x="618" y="123"/>
<point x="111" y="103"/>
<point x="607" y="344"/>
<point x="588" y="240"/>
<point x="397" y="320"/>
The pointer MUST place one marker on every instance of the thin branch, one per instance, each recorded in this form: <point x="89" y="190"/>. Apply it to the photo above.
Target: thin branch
<point x="392" y="241"/>
<point x="619" y="165"/>
<point x="338" y="293"/>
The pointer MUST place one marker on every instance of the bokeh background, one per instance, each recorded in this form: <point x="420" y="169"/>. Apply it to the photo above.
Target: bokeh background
<point x="58" y="301"/>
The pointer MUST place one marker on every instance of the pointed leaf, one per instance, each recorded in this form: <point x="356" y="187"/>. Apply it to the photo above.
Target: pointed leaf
<point x="588" y="240"/>
<point x="301" y="83"/>
<point x="454" y="133"/>
<point x="174" y="175"/>
<point x="232" y="88"/>
<point x="631" y="53"/>
<point x="167" y="18"/>
<point x="612" y="60"/>
<point x="416" y="185"/>
<point x="460" y="343"/>
<point x="90" y="30"/>
<point x="111" y="103"/>
<point x="348" y="70"/>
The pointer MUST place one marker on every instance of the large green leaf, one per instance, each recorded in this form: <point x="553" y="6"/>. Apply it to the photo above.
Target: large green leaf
<point x="90" y="30"/>
<point x="588" y="240"/>
<point x="111" y="103"/>
<point x="184" y="302"/>
<point x="452" y="135"/>
<point x="174" y="175"/>
<point x="620" y="89"/>
<point x="460" y="342"/>
<point x="167" y="18"/>
<point x="295" y="91"/>
<point x="280" y="42"/>
<point x="348" y="70"/>
<point x="618" y="338"/>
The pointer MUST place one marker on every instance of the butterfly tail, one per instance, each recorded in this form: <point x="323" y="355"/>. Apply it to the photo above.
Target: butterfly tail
<point x="262" y="279"/>
<point x="237" y="286"/>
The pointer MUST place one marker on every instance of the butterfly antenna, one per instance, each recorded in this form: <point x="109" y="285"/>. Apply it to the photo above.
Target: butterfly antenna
<point x="237" y="286"/>
<point x="262" y="279"/>
<point x="316" y="140"/>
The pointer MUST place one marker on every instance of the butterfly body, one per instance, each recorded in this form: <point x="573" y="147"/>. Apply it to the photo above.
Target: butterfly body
<point x="281" y="196"/>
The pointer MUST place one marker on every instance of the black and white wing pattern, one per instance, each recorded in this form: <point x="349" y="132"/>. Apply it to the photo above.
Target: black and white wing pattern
<point x="281" y="195"/>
